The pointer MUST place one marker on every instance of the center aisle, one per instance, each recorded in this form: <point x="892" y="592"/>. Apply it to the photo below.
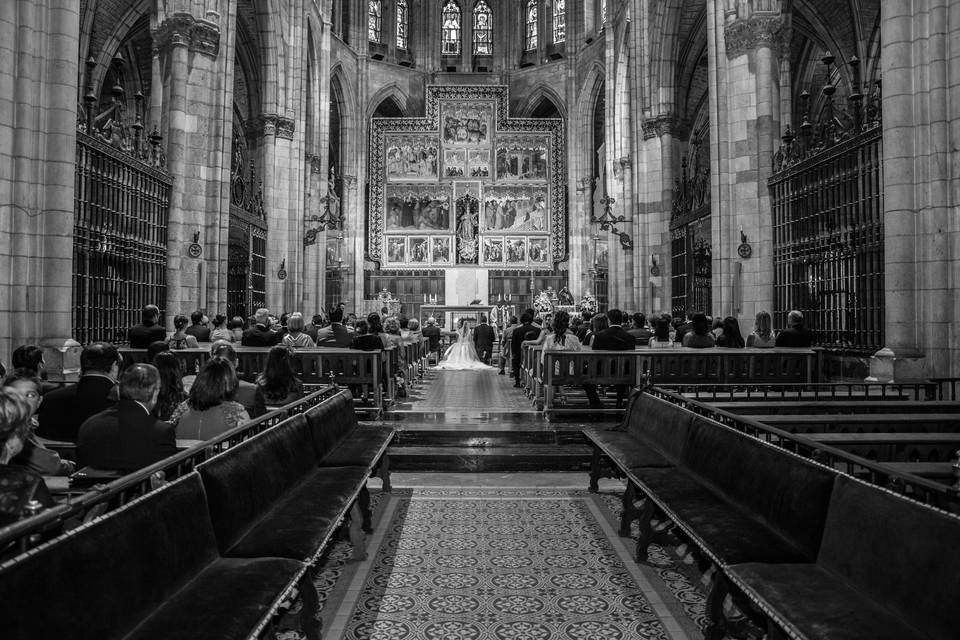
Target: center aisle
<point x="466" y="391"/>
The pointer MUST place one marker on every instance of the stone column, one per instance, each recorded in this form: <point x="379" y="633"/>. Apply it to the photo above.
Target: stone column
<point x="743" y="50"/>
<point x="658" y="165"/>
<point x="196" y="54"/>
<point x="38" y="97"/>
<point x="921" y="135"/>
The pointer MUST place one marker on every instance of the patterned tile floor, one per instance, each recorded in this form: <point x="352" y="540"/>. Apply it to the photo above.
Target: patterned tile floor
<point x="459" y="562"/>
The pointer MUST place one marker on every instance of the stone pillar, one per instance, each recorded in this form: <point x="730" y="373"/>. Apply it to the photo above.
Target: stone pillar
<point x="921" y="135"/>
<point x="38" y="96"/>
<point x="743" y="50"/>
<point x="658" y="165"/>
<point x="196" y="55"/>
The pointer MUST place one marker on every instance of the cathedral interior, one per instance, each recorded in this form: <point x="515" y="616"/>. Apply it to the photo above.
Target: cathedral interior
<point x="675" y="158"/>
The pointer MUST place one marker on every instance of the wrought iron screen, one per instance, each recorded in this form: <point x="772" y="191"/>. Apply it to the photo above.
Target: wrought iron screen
<point x="121" y="207"/>
<point x="828" y="242"/>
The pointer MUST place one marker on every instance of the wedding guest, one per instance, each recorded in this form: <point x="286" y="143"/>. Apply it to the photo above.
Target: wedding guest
<point x="561" y="339"/>
<point x="317" y="322"/>
<point x="236" y="329"/>
<point x="337" y="334"/>
<point x="18" y="485"/>
<point x="432" y="333"/>
<point x="35" y="455"/>
<point x="210" y="408"/>
<point x="295" y="336"/>
<point x="180" y="338"/>
<point x="683" y="328"/>
<point x="246" y="391"/>
<point x="279" y="385"/>
<point x="220" y="329"/>
<point x="639" y="331"/>
<point x="171" y="392"/>
<point x="364" y="340"/>
<point x="505" y="343"/>
<point x="28" y="356"/>
<point x="149" y="330"/>
<point x="795" y="335"/>
<point x="730" y="336"/>
<point x="598" y="323"/>
<point x="526" y="331"/>
<point x="699" y="337"/>
<point x="613" y="338"/>
<point x="413" y="332"/>
<point x="661" y="333"/>
<point x="259" y="334"/>
<point x="198" y="327"/>
<point x="762" y="336"/>
<point x="65" y="409"/>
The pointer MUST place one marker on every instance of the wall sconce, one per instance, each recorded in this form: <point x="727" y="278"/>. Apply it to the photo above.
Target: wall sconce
<point x="609" y="222"/>
<point x="745" y="250"/>
<point x="330" y="218"/>
<point x="195" y="250"/>
<point x="282" y="273"/>
<point x="654" y="267"/>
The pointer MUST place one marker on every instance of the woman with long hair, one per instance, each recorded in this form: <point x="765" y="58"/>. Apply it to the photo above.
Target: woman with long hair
<point x="598" y="323"/>
<point x="560" y="340"/>
<point x="220" y="329"/>
<point x="762" y="336"/>
<point x="730" y="336"/>
<point x="699" y="337"/>
<point x="661" y="333"/>
<point x="279" y="384"/>
<point x="171" y="385"/>
<point x="210" y="409"/>
<point x="180" y="339"/>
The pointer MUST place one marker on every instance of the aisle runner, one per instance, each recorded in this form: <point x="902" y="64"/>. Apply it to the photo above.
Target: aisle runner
<point x="503" y="564"/>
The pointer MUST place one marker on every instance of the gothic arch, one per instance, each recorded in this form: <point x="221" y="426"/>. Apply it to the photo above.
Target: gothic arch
<point x="540" y="93"/>
<point x="340" y="91"/>
<point x="389" y="92"/>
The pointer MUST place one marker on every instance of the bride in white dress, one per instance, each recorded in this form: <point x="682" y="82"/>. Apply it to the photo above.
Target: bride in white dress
<point x="462" y="355"/>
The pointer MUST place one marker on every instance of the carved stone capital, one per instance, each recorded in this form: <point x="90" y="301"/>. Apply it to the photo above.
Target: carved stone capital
<point x="268" y="124"/>
<point x="285" y="127"/>
<point x="349" y="181"/>
<point x="659" y="126"/>
<point x="584" y="183"/>
<point x="183" y="30"/>
<point x="743" y="36"/>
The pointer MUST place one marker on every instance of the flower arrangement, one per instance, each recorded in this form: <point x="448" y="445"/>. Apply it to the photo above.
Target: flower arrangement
<point x="588" y="303"/>
<point x="542" y="302"/>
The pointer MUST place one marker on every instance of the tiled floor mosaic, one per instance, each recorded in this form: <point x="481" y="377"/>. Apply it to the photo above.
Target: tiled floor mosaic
<point x="479" y="564"/>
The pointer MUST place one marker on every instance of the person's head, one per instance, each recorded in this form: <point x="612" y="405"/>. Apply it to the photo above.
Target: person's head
<point x="403" y="321"/>
<point x="392" y="327"/>
<point x="716" y="323"/>
<point x="216" y="383"/>
<point x="284" y="319"/>
<point x="599" y="322"/>
<point x="461" y="322"/>
<point x="575" y="323"/>
<point x="413" y="325"/>
<point x="27" y="384"/>
<point x="262" y="316"/>
<point x="701" y="325"/>
<point x="278" y="373"/>
<point x="794" y="319"/>
<point x="170" y="371"/>
<point x="514" y="320"/>
<point x="615" y="316"/>
<point x="763" y="324"/>
<point x="180" y="322"/>
<point x="219" y="320"/>
<point x="374" y="323"/>
<point x="661" y="329"/>
<point x="150" y="314"/>
<point x="100" y="357"/>
<point x="140" y="382"/>
<point x="431" y="320"/>
<point x="223" y="349"/>
<point x="561" y="322"/>
<point x="14" y="423"/>
<point x="196" y="317"/>
<point x="690" y="314"/>
<point x="586" y="315"/>
<point x="731" y="330"/>
<point x="483" y="318"/>
<point x="639" y="321"/>
<point x="295" y="323"/>
<point x="361" y="327"/>
<point x="235" y="323"/>
<point x="336" y="315"/>
<point x="526" y="317"/>
<point x="28" y="356"/>
<point x="155" y="347"/>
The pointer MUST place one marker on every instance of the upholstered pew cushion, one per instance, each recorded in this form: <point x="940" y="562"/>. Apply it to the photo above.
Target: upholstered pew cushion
<point x="337" y="438"/>
<point x="626" y="450"/>
<point x="364" y="446"/>
<point x="155" y="557"/>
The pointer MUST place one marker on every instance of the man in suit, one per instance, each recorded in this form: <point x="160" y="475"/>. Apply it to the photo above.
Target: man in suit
<point x="641" y="334"/>
<point x="526" y="331"/>
<point x="260" y="335"/>
<point x="126" y="437"/>
<point x="336" y="335"/>
<point x="432" y="333"/>
<point x="613" y="338"/>
<point x="149" y="330"/>
<point x="198" y="328"/>
<point x="65" y="409"/>
<point x="506" y="340"/>
<point x="313" y="329"/>
<point x="685" y="328"/>
<point x="483" y="338"/>
<point x="795" y="335"/>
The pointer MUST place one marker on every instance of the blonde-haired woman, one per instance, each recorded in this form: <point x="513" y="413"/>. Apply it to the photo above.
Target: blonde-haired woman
<point x="762" y="336"/>
<point x="18" y="485"/>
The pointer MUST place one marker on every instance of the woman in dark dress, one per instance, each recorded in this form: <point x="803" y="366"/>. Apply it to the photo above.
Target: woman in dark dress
<point x="171" y="385"/>
<point x="279" y="385"/>
<point x="730" y="335"/>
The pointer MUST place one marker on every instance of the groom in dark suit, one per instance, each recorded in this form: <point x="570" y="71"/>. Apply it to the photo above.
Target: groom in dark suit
<point x="483" y="338"/>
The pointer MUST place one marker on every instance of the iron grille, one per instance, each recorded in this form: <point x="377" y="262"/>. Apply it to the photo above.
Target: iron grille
<point x="828" y="243"/>
<point x="121" y="208"/>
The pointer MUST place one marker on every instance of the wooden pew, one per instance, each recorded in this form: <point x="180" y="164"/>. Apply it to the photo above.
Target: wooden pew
<point x="786" y="407"/>
<point x="892" y="447"/>
<point x="862" y="422"/>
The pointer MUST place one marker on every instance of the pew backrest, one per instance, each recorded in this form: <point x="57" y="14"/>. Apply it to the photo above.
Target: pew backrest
<point x="101" y="579"/>
<point x="243" y="485"/>
<point x="896" y="551"/>
<point x="662" y="424"/>
<point x="330" y="422"/>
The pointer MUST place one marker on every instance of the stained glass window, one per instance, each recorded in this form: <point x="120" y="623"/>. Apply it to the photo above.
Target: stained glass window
<point x="374" y="20"/>
<point x="402" y="24"/>
<point x="482" y="29"/>
<point x="559" y="20"/>
<point x="530" y="38"/>
<point x="451" y="29"/>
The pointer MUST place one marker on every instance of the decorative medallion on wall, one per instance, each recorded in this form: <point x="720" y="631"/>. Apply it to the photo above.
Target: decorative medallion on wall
<point x="467" y="185"/>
